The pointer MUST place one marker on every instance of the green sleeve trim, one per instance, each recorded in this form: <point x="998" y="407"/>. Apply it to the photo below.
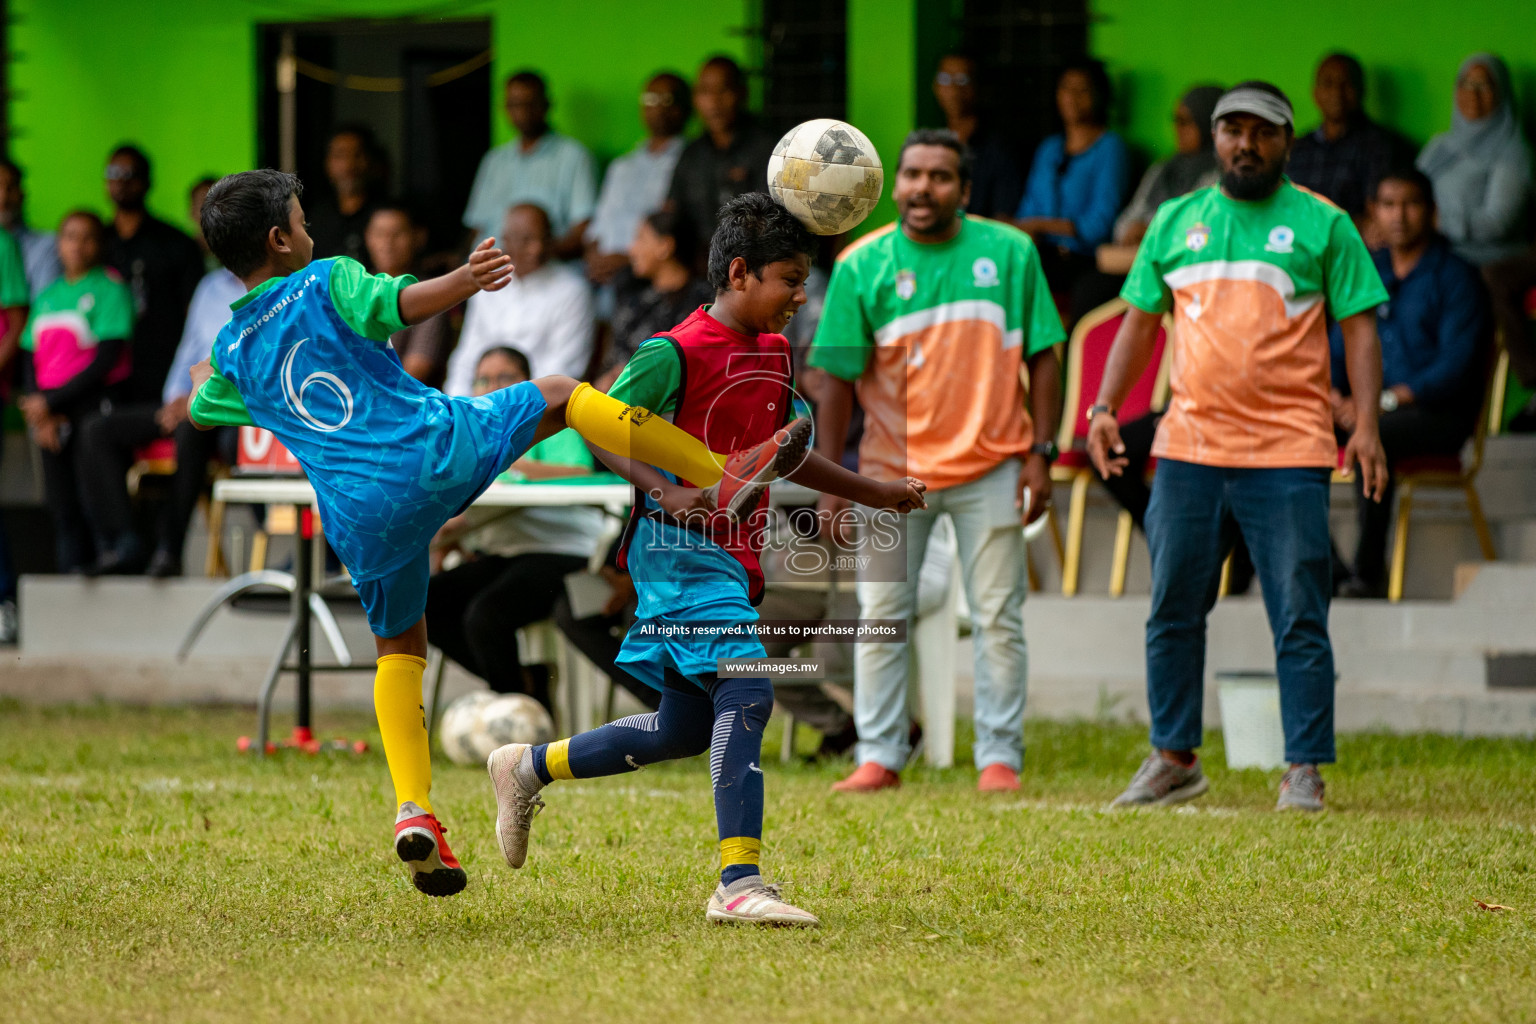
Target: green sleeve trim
<point x="652" y="378"/>
<point x="217" y="403"/>
<point x="367" y="303"/>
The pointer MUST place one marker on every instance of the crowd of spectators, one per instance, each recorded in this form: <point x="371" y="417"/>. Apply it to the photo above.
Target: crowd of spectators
<point x="107" y="315"/>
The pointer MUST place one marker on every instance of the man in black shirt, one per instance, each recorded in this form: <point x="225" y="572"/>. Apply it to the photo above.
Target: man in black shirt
<point x="997" y="183"/>
<point x="728" y="160"/>
<point x="1343" y="157"/>
<point x="339" y="221"/>
<point x="162" y="267"/>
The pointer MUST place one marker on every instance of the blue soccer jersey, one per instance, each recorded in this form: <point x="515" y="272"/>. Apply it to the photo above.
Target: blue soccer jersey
<point x="308" y="357"/>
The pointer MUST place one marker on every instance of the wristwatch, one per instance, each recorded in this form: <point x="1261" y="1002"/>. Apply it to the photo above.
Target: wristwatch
<point x="1046" y="450"/>
<point x="1389" y="401"/>
<point x="1098" y="407"/>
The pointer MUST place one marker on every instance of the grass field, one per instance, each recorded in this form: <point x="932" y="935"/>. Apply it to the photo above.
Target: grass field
<point x="153" y="874"/>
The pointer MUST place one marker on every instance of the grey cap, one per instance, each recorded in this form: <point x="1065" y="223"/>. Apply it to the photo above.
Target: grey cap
<point x="1245" y="99"/>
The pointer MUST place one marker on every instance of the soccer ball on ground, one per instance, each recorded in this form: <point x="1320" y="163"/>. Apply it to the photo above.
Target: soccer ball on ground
<point x="477" y="724"/>
<point x="827" y="173"/>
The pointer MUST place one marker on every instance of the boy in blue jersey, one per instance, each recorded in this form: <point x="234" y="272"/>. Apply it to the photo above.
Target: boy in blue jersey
<point x="306" y="355"/>
<point x="724" y="376"/>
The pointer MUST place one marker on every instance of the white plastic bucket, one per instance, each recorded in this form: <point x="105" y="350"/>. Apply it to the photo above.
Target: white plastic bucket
<point x="1250" y="719"/>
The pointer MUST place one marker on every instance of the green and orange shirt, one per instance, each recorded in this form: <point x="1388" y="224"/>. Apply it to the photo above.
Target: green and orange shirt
<point x="935" y="338"/>
<point x="1250" y="284"/>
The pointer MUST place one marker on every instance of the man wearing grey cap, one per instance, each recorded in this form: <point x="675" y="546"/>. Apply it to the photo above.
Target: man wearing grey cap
<point x="1251" y="268"/>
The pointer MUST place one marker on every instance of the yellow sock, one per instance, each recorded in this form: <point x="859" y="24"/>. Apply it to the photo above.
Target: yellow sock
<point x="403" y="723"/>
<point x="637" y="433"/>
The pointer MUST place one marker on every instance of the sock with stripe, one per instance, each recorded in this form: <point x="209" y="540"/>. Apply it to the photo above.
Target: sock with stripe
<point x="741" y="708"/>
<point x="403" y="726"/>
<point x="637" y="433"/>
<point x="678" y="728"/>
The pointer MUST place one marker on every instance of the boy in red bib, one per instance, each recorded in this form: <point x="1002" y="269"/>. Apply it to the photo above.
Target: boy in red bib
<point x="723" y="376"/>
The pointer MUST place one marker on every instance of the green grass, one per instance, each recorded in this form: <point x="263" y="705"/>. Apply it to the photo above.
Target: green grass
<point x="154" y="874"/>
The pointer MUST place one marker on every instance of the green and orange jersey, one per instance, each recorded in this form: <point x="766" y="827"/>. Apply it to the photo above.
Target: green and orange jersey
<point x="1251" y="285"/>
<point x="935" y="338"/>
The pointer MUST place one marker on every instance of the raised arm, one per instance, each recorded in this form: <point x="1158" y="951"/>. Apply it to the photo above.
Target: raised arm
<point x="488" y="270"/>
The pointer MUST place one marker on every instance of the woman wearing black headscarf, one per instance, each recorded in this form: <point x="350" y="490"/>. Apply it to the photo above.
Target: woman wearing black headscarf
<point x="1192" y="166"/>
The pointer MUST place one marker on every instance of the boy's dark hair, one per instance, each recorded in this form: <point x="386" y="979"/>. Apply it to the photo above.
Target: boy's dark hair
<point x="733" y="73"/>
<point x="508" y="352"/>
<point x="669" y="224"/>
<point x="404" y="207"/>
<point x="1410" y="175"/>
<point x="1353" y="69"/>
<point x="90" y="217"/>
<point x="136" y="157"/>
<point x="758" y="230"/>
<point x="7" y="164"/>
<point x="530" y="78"/>
<point x="938" y="137"/>
<point x="1098" y="85"/>
<point x="239" y="212"/>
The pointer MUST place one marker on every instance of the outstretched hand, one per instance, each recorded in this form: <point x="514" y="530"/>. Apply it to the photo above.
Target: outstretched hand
<point x="904" y="495"/>
<point x="490" y="268"/>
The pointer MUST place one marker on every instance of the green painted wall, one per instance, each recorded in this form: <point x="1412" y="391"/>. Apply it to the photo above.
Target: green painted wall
<point x="179" y="77"/>
<point x="882" y="84"/>
<point x="1411" y="51"/>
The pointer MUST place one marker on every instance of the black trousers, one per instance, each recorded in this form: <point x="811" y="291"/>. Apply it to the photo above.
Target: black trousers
<point x="475" y="610"/>
<point x="599" y="638"/>
<point x="1405" y="432"/>
<point x="74" y="549"/>
<point x="107" y="445"/>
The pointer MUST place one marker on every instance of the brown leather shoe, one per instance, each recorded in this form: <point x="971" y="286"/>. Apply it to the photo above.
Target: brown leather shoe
<point x="868" y="777"/>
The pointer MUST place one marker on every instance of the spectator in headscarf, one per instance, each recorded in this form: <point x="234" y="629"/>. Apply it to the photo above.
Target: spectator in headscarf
<point x="1192" y="166"/>
<point x="1481" y="168"/>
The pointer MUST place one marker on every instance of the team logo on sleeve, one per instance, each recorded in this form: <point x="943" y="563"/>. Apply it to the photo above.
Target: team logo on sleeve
<point x="906" y="284"/>
<point x="984" y="273"/>
<point x="1281" y="239"/>
<point x="1196" y="237"/>
<point x="327" y="382"/>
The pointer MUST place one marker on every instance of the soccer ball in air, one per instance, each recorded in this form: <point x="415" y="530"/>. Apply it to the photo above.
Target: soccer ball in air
<point x="827" y="174"/>
<point x="477" y="724"/>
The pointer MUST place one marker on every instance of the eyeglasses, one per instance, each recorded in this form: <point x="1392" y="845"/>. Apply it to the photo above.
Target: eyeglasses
<point x="957" y="78"/>
<point x="115" y="173"/>
<point x="657" y="99"/>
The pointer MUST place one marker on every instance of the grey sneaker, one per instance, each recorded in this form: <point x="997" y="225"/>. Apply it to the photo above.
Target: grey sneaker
<point x="1160" y="782"/>
<point x="1301" y="789"/>
<point x="750" y="900"/>
<point x="517" y="802"/>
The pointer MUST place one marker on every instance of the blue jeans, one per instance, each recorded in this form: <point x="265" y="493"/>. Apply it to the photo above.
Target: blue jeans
<point x="1194" y="518"/>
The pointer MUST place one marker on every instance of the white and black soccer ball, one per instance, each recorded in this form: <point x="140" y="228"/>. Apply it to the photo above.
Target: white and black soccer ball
<point x="515" y="718"/>
<point x="459" y="731"/>
<point x="827" y="173"/>
<point x="476" y="724"/>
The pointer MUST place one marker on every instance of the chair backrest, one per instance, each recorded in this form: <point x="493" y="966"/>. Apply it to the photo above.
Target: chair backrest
<point x="1491" y="416"/>
<point x="1087" y="354"/>
<point x="262" y="454"/>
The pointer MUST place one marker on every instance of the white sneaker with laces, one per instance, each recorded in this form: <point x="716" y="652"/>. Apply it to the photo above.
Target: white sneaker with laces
<point x="750" y="900"/>
<point x="517" y="803"/>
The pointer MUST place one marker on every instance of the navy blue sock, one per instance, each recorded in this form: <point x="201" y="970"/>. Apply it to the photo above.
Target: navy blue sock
<point x="741" y="707"/>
